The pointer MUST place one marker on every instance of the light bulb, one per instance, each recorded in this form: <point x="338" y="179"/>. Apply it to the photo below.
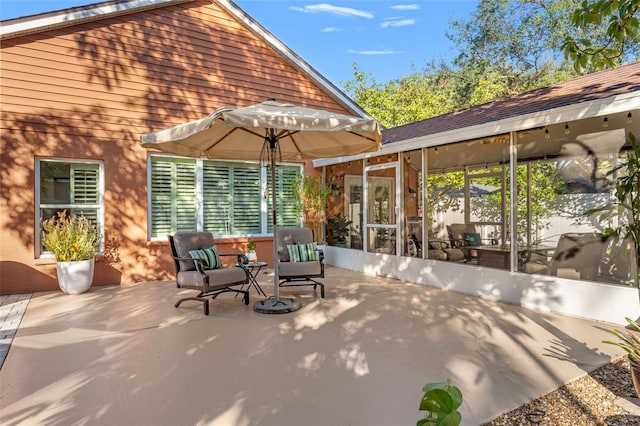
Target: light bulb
<point x="605" y="122"/>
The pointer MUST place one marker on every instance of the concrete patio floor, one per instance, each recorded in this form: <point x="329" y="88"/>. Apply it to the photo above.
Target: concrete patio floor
<point x="126" y="356"/>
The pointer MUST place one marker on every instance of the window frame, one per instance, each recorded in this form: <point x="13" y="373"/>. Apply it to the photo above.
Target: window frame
<point x="265" y="218"/>
<point x="39" y="253"/>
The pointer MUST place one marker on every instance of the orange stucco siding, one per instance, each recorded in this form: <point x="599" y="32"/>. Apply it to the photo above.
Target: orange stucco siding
<point x="89" y="91"/>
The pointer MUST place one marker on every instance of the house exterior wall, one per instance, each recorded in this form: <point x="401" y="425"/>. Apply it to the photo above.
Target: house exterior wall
<point x="87" y="92"/>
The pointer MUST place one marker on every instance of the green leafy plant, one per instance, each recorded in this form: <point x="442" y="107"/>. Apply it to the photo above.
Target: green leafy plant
<point x="70" y="238"/>
<point x="338" y="228"/>
<point x="440" y="401"/>
<point x="251" y="245"/>
<point x="628" y="341"/>
<point x="311" y="199"/>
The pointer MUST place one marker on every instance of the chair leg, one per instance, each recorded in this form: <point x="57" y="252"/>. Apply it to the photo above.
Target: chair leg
<point x="204" y="301"/>
<point x="287" y="282"/>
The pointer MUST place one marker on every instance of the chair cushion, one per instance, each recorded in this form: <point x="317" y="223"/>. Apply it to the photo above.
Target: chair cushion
<point x="299" y="269"/>
<point x="218" y="278"/>
<point x="437" y="254"/>
<point x="209" y="255"/>
<point x="288" y="236"/>
<point x="473" y="238"/>
<point x="437" y="245"/>
<point x="302" y="252"/>
<point x="454" y="254"/>
<point x="294" y="253"/>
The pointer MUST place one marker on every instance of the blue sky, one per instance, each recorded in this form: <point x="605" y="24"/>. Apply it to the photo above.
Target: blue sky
<point x="385" y="38"/>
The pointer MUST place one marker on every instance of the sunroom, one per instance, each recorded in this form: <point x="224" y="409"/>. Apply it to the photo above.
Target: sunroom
<point x="495" y="200"/>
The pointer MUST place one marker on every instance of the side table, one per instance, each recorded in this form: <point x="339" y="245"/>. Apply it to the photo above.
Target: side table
<point x="254" y="269"/>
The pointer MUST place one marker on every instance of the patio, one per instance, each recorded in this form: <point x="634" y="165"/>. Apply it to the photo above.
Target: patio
<point x="126" y="356"/>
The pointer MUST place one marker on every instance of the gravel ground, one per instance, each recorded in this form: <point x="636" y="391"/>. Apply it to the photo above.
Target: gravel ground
<point x="598" y="398"/>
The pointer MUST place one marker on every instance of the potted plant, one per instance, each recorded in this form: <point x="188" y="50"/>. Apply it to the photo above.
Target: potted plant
<point x="338" y="230"/>
<point x="440" y="401"/>
<point x="251" y="250"/>
<point x="73" y="240"/>
<point x="630" y="342"/>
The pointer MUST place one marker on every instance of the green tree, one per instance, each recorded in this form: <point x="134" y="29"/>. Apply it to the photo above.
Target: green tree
<point x="414" y="97"/>
<point x="439" y="189"/>
<point x="508" y="47"/>
<point x="605" y="34"/>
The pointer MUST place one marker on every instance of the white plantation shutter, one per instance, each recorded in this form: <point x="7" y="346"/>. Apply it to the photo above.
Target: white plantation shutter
<point x="173" y="196"/>
<point x="216" y="198"/>
<point x="84" y="184"/>
<point x="286" y="214"/>
<point x="85" y="190"/>
<point x="247" y="196"/>
<point x="231" y="198"/>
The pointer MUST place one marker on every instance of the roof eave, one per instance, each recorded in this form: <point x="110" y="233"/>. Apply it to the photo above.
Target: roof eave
<point x="591" y="109"/>
<point x="69" y="17"/>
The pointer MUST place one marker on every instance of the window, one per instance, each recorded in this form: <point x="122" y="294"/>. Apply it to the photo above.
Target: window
<point x="286" y="214"/>
<point x="222" y="197"/>
<point x="231" y="198"/>
<point x="173" y="195"/>
<point x="75" y="186"/>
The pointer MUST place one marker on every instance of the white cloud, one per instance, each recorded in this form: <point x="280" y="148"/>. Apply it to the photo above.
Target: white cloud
<point x="397" y="23"/>
<point x="334" y="10"/>
<point x="331" y="30"/>
<point x="406" y="7"/>
<point x="374" y="52"/>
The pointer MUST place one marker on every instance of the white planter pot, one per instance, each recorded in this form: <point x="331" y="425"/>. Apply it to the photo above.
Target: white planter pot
<point x="75" y="277"/>
<point x="252" y="256"/>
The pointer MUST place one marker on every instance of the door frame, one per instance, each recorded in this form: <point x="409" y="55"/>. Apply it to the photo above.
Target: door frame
<point x="396" y="207"/>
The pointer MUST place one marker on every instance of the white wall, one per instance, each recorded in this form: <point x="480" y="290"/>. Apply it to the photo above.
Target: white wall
<point x="601" y="302"/>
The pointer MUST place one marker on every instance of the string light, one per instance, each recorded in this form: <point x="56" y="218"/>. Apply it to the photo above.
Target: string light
<point x="629" y="118"/>
<point x="546" y="133"/>
<point x="605" y="122"/>
<point x="566" y="129"/>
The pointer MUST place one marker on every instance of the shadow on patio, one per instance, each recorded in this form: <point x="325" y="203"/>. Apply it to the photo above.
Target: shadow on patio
<point x="361" y="356"/>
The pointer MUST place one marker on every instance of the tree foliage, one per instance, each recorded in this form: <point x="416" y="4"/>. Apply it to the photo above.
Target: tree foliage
<point x="414" y="97"/>
<point x="509" y="46"/>
<point x="506" y="47"/>
<point x="605" y="36"/>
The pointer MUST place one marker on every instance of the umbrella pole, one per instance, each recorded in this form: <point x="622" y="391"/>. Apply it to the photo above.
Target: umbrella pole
<point x="274" y="220"/>
<point x="275" y="305"/>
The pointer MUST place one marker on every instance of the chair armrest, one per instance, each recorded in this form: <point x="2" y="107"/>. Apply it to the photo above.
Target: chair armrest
<point x="201" y="264"/>
<point x="459" y="243"/>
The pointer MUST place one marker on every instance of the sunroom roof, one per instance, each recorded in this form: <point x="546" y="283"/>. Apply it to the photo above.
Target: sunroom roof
<point x="591" y="87"/>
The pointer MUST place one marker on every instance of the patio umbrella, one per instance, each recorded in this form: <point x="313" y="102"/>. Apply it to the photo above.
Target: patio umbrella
<point x="269" y="131"/>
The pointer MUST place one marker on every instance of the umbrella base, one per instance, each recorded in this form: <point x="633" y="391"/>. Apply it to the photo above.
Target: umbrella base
<point x="276" y="306"/>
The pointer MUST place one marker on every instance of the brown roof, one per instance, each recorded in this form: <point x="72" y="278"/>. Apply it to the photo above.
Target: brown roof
<point x="599" y="85"/>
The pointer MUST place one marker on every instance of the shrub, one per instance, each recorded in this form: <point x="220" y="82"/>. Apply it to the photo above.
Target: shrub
<point x="70" y="238"/>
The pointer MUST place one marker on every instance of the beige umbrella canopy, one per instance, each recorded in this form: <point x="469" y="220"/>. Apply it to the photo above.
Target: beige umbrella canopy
<point x="269" y="131"/>
<point x="302" y="133"/>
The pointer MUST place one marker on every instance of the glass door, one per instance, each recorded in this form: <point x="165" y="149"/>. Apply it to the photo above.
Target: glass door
<point x="381" y="205"/>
